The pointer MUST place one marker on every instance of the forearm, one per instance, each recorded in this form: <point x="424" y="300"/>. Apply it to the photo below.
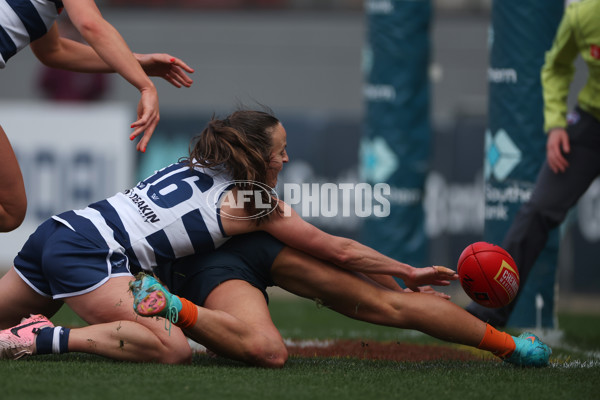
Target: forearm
<point x="114" y="52"/>
<point x="343" y="252"/>
<point x="360" y="258"/>
<point x="386" y="281"/>
<point x="107" y="42"/>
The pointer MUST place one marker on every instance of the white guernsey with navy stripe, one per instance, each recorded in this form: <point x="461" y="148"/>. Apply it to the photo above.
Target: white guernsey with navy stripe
<point x="171" y="214"/>
<point x="22" y="22"/>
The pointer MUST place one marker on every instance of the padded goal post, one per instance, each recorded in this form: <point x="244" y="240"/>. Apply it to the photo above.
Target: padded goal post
<point x="395" y="145"/>
<point x="515" y="144"/>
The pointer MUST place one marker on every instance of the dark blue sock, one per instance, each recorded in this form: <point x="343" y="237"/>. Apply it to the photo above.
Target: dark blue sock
<point x="52" y="340"/>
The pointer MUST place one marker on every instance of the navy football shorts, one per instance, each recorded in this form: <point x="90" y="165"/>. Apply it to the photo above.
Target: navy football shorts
<point x="58" y="262"/>
<point x="246" y="257"/>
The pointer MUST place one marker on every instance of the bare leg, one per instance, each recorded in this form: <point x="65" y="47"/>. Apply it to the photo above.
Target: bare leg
<point x="353" y="296"/>
<point x="235" y="323"/>
<point x="128" y="341"/>
<point x="115" y="330"/>
<point x="13" y="200"/>
<point x="18" y="300"/>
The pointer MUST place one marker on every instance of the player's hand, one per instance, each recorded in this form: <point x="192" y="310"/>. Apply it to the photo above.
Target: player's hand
<point x="165" y="66"/>
<point x="436" y="275"/>
<point x="557" y="145"/>
<point x="148" y="117"/>
<point x="429" y="290"/>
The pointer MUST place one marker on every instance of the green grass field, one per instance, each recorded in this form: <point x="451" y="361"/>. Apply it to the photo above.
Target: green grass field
<point x="574" y="372"/>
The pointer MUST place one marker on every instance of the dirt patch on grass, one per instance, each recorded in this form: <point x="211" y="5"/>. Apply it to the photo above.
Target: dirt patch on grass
<point x="372" y="350"/>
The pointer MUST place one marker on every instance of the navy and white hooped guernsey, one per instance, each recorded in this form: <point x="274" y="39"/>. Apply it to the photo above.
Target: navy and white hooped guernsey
<point x="22" y="22"/>
<point x="171" y="214"/>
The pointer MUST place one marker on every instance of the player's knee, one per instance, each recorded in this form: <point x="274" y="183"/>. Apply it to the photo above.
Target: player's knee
<point x="172" y="350"/>
<point x="181" y="354"/>
<point x="399" y="308"/>
<point x="267" y="353"/>
<point x="184" y="355"/>
<point x="274" y="359"/>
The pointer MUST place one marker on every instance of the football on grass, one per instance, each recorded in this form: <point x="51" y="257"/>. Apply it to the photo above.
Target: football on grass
<point x="488" y="274"/>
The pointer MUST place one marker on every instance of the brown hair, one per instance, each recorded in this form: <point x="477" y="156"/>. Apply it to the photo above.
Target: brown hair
<point x="241" y="143"/>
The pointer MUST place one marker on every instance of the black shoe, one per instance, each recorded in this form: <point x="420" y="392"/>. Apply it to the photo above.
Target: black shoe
<point x="497" y="317"/>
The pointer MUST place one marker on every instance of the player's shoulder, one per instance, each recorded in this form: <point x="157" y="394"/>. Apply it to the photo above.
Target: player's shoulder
<point x="583" y="17"/>
<point x="585" y="6"/>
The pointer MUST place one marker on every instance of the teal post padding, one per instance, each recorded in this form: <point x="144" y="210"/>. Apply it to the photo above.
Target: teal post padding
<point x="395" y="146"/>
<point x="521" y="32"/>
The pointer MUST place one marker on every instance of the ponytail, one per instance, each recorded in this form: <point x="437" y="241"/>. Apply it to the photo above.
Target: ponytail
<point x="240" y="143"/>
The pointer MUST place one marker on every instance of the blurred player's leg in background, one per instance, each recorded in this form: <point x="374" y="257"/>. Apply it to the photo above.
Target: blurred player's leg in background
<point x="13" y="201"/>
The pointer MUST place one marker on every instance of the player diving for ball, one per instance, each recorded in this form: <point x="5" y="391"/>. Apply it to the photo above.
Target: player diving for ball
<point x="86" y="259"/>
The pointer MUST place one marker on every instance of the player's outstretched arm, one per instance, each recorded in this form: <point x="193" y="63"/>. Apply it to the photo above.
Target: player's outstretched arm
<point x="59" y="52"/>
<point x="13" y="201"/>
<point x="435" y="275"/>
<point x="111" y="47"/>
<point x="106" y="41"/>
<point x="165" y="66"/>
<point x="350" y="254"/>
<point x="389" y="282"/>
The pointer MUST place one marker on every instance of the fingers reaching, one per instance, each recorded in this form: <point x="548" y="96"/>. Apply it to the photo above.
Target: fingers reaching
<point x="429" y="290"/>
<point x="178" y="62"/>
<point x="148" y="117"/>
<point x="165" y="66"/>
<point x="445" y="273"/>
<point x="177" y="73"/>
<point x="435" y="275"/>
<point x="147" y="128"/>
<point x="171" y="69"/>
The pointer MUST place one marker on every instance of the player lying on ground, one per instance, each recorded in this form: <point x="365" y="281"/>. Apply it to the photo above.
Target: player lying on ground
<point x="234" y="278"/>
<point x="235" y="322"/>
<point x="85" y="257"/>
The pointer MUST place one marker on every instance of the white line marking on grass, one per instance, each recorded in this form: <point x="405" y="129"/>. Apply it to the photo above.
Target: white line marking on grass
<point x="556" y="338"/>
<point x="198" y="348"/>
<point x="575" y="364"/>
<point x="308" y="343"/>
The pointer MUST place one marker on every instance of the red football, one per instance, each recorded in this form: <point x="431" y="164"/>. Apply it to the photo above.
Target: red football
<point x="488" y="274"/>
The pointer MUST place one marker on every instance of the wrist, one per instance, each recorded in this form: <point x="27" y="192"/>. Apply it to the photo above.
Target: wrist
<point x="555" y="127"/>
<point x="410" y="273"/>
<point x="148" y="86"/>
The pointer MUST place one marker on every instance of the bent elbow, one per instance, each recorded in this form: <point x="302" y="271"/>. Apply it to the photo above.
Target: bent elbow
<point x="90" y="28"/>
<point x="13" y="221"/>
<point x="43" y="56"/>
